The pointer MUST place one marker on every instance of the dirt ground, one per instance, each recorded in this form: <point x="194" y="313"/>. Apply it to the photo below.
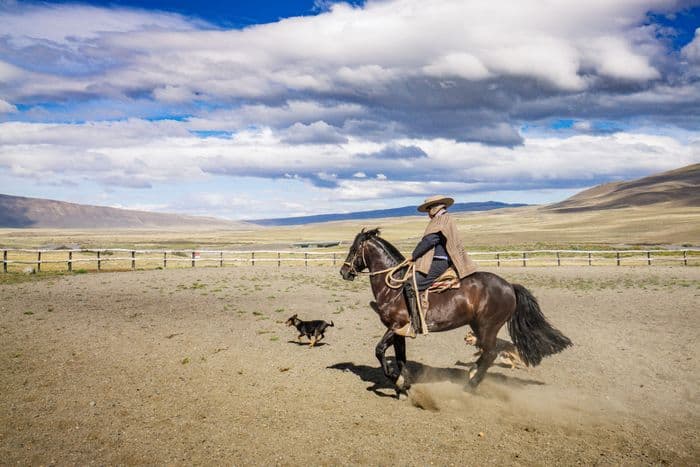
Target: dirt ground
<point x="197" y="367"/>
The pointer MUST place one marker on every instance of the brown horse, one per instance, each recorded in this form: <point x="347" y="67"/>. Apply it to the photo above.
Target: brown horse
<point x="484" y="301"/>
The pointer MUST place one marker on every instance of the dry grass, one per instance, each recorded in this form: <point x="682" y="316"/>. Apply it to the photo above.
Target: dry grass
<point x="518" y="228"/>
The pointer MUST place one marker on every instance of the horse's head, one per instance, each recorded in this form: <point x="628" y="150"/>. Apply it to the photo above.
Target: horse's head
<point x="356" y="261"/>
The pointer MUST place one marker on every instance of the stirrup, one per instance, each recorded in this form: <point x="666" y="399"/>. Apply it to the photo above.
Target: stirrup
<point x="407" y="331"/>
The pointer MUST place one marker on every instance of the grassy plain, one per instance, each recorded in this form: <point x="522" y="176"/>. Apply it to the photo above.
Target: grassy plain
<point x="528" y="228"/>
<point x="522" y="228"/>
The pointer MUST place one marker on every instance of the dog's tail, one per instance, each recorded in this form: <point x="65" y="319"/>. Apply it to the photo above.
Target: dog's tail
<point x="331" y="324"/>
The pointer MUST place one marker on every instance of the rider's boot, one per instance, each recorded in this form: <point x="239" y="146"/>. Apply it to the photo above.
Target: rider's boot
<point x="412" y="304"/>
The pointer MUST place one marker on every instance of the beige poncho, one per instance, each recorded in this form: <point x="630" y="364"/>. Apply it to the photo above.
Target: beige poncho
<point x="460" y="259"/>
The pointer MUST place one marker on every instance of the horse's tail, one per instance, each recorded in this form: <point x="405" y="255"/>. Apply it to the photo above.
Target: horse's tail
<point x="532" y="335"/>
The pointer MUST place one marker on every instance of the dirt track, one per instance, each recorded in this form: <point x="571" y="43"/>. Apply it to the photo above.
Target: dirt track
<point x="196" y="367"/>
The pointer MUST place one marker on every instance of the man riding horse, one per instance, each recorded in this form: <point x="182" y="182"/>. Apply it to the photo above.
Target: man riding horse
<point x="439" y="249"/>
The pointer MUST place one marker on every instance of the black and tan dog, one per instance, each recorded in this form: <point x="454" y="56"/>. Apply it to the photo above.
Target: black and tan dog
<point x="313" y="330"/>
<point x="507" y="353"/>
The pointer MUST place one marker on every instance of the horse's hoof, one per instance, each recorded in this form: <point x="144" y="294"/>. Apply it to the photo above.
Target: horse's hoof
<point x="473" y="384"/>
<point x="400" y="381"/>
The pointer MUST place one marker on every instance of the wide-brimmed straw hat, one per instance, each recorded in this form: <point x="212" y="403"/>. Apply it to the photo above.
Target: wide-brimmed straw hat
<point x="433" y="200"/>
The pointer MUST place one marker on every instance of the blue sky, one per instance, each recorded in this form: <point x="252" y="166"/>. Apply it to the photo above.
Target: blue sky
<point x="273" y="109"/>
<point x="226" y="14"/>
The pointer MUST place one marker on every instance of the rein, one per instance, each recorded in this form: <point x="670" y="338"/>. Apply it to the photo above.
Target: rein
<point x="391" y="281"/>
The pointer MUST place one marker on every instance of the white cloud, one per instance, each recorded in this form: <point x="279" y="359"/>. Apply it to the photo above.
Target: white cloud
<point x="582" y="125"/>
<point x="69" y="24"/>
<point x="344" y="49"/>
<point x="691" y="53"/>
<point x="461" y="65"/>
<point x="173" y="94"/>
<point x="316" y="133"/>
<point x="6" y="107"/>
<point x="614" y="57"/>
<point x="141" y="154"/>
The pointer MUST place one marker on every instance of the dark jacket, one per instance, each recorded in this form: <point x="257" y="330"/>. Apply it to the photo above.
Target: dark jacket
<point x="433" y="240"/>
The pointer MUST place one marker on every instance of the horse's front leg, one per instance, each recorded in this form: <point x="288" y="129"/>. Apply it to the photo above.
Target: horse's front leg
<point x="380" y="351"/>
<point x="400" y="348"/>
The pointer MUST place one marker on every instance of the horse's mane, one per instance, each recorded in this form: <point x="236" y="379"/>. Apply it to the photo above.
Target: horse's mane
<point x="388" y="248"/>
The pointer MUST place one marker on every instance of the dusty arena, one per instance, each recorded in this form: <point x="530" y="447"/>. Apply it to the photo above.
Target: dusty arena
<point x="195" y="366"/>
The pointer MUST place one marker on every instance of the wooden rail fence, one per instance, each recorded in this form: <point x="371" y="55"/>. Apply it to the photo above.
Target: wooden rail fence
<point x="153" y="259"/>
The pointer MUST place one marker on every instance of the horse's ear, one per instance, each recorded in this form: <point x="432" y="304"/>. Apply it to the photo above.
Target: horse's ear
<point x="363" y="230"/>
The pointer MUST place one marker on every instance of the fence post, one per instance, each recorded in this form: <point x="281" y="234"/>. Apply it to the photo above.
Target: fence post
<point x="279" y="261"/>
<point x="165" y="259"/>
<point x="70" y="261"/>
<point x="221" y="259"/>
<point x="133" y="260"/>
<point x="4" y="260"/>
<point x="38" y="261"/>
<point x="192" y="258"/>
<point x="648" y="258"/>
<point x="685" y="257"/>
<point x="306" y="260"/>
<point x="558" y="259"/>
<point x="99" y="262"/>
<point x="333" y="259"/>
<point x="617" y="255"/>
<point x="524" y="259"/>
<point x="498" y="260"/>
<point x="589" y="259"/>
<point x="252" y="258"/>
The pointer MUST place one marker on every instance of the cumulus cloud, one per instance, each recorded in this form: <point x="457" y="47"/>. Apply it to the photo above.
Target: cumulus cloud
<point x="127" y="154"/>
<point x="318" y="132"/>
<point x="394" y="151"/>
<point x="6" y="107"/>
<point x="691" y="53"/>
<point x="455" y="69"/>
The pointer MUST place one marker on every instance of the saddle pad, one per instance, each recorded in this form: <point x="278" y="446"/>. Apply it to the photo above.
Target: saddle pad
<point x="447" y="280"/>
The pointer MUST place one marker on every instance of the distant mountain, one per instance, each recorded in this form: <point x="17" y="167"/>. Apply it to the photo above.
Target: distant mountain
<point x="379" y="213"/>
<point x="678" y="188"/>
<point x="20" y="212"/>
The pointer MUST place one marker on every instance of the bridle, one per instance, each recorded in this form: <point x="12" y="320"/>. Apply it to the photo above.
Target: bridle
<point x="351" y="264"/>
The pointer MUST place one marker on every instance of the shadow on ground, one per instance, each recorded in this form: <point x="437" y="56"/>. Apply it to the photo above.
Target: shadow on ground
<point x="419" y="372"/>
<point x="306" y="344"/>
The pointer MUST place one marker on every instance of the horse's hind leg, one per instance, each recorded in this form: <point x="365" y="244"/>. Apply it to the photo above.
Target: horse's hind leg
<point x="488" y="356"/>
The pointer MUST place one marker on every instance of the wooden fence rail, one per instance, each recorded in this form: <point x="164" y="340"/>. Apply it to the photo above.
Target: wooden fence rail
<point x="152" y="259"/>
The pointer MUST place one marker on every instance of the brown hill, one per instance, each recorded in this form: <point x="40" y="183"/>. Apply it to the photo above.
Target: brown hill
<point x="676" y="188"/>
<point x="17" y="211"/>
